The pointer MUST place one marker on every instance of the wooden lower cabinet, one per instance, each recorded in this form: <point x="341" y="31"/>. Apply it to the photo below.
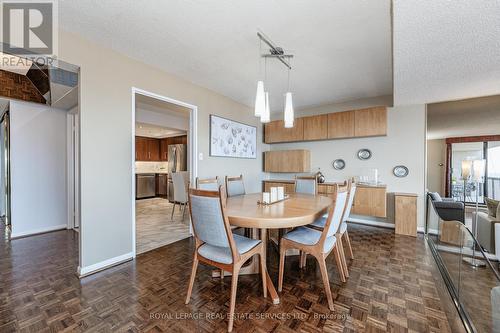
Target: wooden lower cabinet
<point x="371" y="201"/>
<point x="368" y="200"/>
<point x="161" y="184"/>
<point x="289" y="187"/>
<point x="405" y="215"/>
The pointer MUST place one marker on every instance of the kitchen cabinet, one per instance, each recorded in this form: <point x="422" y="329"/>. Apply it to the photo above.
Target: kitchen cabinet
<point x="289" y="187"/>
<point x="275" y="131"/>
<point x="315" y="127"/>
<point x="287" y="161"/>
<point x="141" y="148"/>
<point x="341" y="125"/>
<point x="161" y="184"/>
<point x="164" y="143"/>
<point x="405" y="215"/>
<point x="153" y="149"/>
<point x="345" y="124"/>
<point x="370" y="122"/>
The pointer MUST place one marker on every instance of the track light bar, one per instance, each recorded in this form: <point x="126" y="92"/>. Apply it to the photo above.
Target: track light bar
<point x="275" y="51"/>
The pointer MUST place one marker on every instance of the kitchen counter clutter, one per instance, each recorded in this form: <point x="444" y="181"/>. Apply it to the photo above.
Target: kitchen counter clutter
<point x="370" y="200"/>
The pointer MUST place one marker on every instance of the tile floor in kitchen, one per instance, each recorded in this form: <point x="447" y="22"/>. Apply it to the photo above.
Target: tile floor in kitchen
<point x="154" y="228"/>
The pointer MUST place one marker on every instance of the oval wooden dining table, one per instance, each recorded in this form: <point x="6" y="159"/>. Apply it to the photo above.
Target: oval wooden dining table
<point x="297" y="210"/>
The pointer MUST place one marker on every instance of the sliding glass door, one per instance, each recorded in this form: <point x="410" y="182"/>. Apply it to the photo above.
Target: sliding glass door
<point x="467" y="191"/>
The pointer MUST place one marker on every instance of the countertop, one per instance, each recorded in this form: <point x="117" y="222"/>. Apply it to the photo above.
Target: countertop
<point x="291" y="181"/>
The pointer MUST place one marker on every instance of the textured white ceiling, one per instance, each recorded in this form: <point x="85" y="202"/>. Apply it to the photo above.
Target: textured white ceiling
<point x="342" y="47"/>
<point x="470" y="117"/>
<point x="445" y="50"/>
<point x="155" y="131"/>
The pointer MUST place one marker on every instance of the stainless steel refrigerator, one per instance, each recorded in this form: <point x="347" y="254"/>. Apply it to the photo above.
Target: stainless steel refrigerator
<point x="177" y="162"/>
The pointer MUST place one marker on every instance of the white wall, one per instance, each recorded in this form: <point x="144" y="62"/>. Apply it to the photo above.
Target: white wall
<point x="436" y="165"/>
<point x="107" y="78"/>
<point x="38" y="168"/>
<point x="403" y="145"/>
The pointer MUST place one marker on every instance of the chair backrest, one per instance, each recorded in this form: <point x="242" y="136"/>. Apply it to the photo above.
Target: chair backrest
<point x="210" y="224"/>
<point x="306" y="185"/>
<point x="350" y="199"/>
<point x="235" y="186"/>
<point x="179" y="180"/>
<point x="208" y="184"/>
<point x="335" y="212"/>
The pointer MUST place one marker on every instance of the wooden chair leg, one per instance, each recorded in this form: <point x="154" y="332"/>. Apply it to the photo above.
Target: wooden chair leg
<point x="340" y="246"/>
<point x="324" y="275"/>
<point x="183" y="211"/>
<point x="338" y="260"/>
<point x="172" y="215"/>
<point x="303" y="259"/>
<point x="191" y="280"/>
<point x="282" y="266"/>
<point x="263" y="272"/>
<point x="232" y="303"/>
<point x="348" y="242"/>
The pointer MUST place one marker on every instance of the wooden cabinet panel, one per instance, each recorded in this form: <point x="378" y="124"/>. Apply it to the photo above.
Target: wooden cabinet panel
<point x="287" y="161"/>
<point x="405" y="215"/>
<point x="289" y="187"/>
<point x="141" y="148"/>
<point x="170" y="141"/>
<point x="275" y="131"/>
<point x="370" y="122"/>
<point x="341" y="125"/>
<point x="161" y="184"/>
<point x="370" y="201"/>
<point x="324" y="189"/>
<point x="315" y="127"/>
<point x="153" y="149"/>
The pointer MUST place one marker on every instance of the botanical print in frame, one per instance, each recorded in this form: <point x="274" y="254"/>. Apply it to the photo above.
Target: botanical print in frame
<point x="229" y="138"/>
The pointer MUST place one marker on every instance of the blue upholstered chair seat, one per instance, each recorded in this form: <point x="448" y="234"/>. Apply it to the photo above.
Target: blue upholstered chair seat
<point x="320" y="223"/>
<point x="307" y="236"/>
<point x="223" y="254"/>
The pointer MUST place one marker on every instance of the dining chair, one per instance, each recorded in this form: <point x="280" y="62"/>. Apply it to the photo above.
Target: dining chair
<point x="180" y="185"/>
<point x="318" y="243"/>
<point x="342" y="232"/>
<point x="217" y="246"/>
<point x="208" y="184"/>
<point x="306" y="185"/>
<point x="235" y="186"/>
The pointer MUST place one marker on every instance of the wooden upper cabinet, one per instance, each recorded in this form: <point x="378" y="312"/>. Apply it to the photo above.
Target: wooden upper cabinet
<point x="341" y="125"/>
<point x="370" y="122"/>
<point x="153" y="150"/>
<point x="275" y="131"/>
<point x="164" y="149"/>
<point x="141" y="148"/>
<point x="287" y="161"/>
<point x="315" y="127"/>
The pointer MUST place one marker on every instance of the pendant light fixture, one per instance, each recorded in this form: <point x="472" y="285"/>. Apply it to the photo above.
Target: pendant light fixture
<point x="260" y="98"/>
<point x="289" y="117"/>
<point x="262" y="107"/>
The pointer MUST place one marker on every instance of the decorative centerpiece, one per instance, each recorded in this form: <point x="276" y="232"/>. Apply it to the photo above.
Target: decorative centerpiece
<point x="275" y="194"/>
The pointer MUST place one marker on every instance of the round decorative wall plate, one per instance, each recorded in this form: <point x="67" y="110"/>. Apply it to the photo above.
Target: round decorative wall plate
<point x="364" y="154"/>
<point x="400" y="171"/>
<point x="338" y="164"/>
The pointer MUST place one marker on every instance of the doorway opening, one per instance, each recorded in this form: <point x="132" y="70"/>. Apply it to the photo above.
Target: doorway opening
<point x="164" y="147"/>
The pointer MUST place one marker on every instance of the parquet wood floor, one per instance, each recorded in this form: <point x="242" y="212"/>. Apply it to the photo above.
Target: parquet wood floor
<point x="393" y="287"/>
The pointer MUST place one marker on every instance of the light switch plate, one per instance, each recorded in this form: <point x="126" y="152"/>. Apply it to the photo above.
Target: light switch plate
<point x="200" y="156"/>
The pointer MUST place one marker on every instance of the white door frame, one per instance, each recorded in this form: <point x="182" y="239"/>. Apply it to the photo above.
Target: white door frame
<point x="192" y="147"/>
<point x="73" y="170"/>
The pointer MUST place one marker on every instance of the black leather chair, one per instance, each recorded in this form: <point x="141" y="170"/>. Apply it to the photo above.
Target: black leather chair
<point x="447" y="208"/>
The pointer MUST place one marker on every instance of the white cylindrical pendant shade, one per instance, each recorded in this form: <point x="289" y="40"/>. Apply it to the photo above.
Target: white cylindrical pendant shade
<point x="260" y="99"/>
<point x="265" y="117"/>
<point x="289" y="114"/>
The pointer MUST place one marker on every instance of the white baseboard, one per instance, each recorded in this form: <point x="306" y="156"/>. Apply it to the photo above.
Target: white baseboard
<point x="88" y="270"/>
<point x="372" y="223"/>
<point x="431" y="231"/>
<point x="33" y="232"/>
